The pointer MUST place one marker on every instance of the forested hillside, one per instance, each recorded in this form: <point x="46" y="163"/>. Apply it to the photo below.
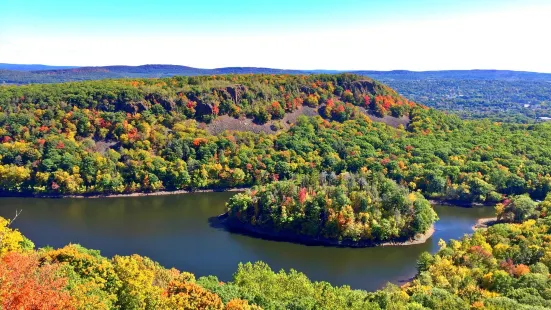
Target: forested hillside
<point x="146" y="135"/>
<point x="501" y="95"/>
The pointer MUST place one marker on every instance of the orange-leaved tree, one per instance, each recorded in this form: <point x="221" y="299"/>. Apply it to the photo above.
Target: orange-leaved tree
<point x="25" y="283"/>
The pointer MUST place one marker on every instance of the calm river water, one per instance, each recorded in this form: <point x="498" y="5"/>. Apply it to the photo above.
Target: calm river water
<point x="174" y="230"/>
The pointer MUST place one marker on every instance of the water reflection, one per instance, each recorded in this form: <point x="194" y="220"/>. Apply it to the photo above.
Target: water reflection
<point x="174" y="230"/>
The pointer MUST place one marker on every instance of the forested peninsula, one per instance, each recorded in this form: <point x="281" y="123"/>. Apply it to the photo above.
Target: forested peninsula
<point x="353" y="210"/>
<point x="336" y="157"/>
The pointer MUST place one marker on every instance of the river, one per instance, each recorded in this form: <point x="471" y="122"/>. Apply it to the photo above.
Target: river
<point x="174" y="230"/>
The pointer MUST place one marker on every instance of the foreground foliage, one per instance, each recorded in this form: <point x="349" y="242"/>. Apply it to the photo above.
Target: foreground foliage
<point x="503" y="267"/>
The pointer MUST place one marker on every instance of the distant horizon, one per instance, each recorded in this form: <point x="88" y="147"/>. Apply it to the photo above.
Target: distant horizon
<point x="259" y="67"/>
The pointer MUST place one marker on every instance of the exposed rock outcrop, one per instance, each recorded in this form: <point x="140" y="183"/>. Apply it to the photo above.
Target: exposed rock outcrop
<point x="363" y="87"/>
<point x="236" y="92"/>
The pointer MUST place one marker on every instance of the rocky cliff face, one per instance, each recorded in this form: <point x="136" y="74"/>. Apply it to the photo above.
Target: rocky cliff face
<point x="236" y="92"/>
<point x="364" y="87"/>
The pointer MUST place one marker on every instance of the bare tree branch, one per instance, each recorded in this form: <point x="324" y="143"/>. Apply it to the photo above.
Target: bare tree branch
<point x="17" y="213"/>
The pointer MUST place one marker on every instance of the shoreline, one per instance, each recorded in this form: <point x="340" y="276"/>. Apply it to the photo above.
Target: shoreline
<point x="256" y="232"/>
<point x="433" y="201"/>
<point x="137" y="194"/>
<point x="458" y="203"/>
<point x="485" y="222"/>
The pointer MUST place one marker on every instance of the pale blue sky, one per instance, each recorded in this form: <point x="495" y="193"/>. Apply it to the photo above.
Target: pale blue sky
<point x="346" y="34"/>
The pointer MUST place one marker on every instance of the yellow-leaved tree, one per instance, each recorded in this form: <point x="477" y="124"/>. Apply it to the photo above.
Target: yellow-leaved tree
<point x="12" y="239"/>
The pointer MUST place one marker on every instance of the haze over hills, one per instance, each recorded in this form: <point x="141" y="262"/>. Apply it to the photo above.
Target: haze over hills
<point x="477" y="74"/>
<point x="31" y="67"/>
<point x="25" y="74"/>
<point x="51" y="75"/>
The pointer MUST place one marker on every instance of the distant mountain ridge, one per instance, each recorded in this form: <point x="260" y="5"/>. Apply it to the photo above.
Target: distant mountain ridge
<point x="25" y="74"/>
<point x="49" y="75"/>
<point x="476" y="74"/>
<point x="168" y="69"/>
<point x="32" y="67"/>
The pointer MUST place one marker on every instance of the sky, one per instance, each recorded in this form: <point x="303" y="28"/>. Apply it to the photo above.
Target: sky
<point x="288" y="34"/>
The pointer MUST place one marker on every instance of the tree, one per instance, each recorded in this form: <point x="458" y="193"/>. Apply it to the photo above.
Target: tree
<point x="12" y="177"/>
<point x="137" y="275"/>
<point x="25" y="283"/>
<point x="240" y="304"/>
<point x="518" y="209"/>
<point x="186" y="295"/>
<point x="90" y="267"/>
<point x="11" y="240"/>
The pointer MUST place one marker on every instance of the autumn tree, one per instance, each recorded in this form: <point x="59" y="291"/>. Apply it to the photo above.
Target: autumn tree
<point x="26" y="283"/>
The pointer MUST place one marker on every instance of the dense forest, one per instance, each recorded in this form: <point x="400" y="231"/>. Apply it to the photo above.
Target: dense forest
<point x="505" y="266"/>
<point x="149" y="135"/>
<point x="128" y="136"/>
<point x="353" y="209"/>
<point x="342" y="174"/>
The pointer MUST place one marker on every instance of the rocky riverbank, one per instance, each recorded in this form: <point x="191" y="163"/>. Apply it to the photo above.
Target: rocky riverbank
<point x="485" y="222"/>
